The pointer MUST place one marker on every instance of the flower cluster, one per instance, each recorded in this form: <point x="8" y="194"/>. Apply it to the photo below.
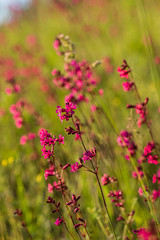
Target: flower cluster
<point x="141" y="110"/>
<point x="88" y="155"/>
<point x="117" y="198"/>
<point x="60" y="219"/>
<point x="124" y="71"/>
<point x="67" y="112"/>
<point x="47" y="140"/>
<point x="106" y="179"/>
<point x="16" y="111"/>
<point x="26" y="138"/>
<point x="125" y="140"/>
<point x="149" y="154"/>
<point x="78" y="79"/>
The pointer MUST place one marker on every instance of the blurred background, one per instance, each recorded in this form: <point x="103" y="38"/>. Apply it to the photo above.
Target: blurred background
<point x="105" y="30"/>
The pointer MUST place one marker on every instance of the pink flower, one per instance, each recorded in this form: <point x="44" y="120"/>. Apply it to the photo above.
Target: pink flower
<point x="54" y="71"/>
<point x="56" y="44"/>
<point x="50" y="188"/>
<point x="23" y="140"/>
<point x="61" y="139"/>
<point x="75" y="167"/>
<point x="13" y="109"/>
<point x="58" y="221"/>
<point x="140" y="191"/>
<point x="152" y="159"/>
<point x="148" y="149"/>
<point x="49" y="172"/>
<point x="88" y="155"/>
<point x="93" y="108"/>
<point x="124" y="70"/>
<point x="19" y="122"/>
<point x="31" y="136"/>
<point x="143" y="234"/>
<point x="105" y="179"/>
<point x="127" y="86"/>
<point x="8" y="91"/>
<point x="17" y="88"/>
<point x="156" y="177"/>
<point x="101" y="91"/>
<point x="155" y="194"/>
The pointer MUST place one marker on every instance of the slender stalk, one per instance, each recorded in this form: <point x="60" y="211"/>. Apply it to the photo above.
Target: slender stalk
<point x="65" y="200"/>
<point x="99" y="184"/>
<point x="28" y="232"/>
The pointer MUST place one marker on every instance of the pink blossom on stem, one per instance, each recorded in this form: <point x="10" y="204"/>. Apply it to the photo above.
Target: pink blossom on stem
<point x="75" y="167"/>
<point x="61" y="139"/>
<point x="31" y="136"/>
<point x="127" y="86"/>
<point x="140" y="191"/>
<point x="50" y="188"/>
<point x="49" y="172"/>
<point x="58" y="221"/>
<point x="23" y="140"/>
<point x="19" y="122"/>
<point x="101" y="91"/>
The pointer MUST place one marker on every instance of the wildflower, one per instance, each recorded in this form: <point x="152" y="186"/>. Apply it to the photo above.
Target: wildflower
<point x="59" y="221"/>
<point x="74" y="200"/>
<point x="106" y="179"/>
<point x="125" y="140"/>
<point x="88" y="155"/>
<point x="155" y="194"/>
<point x="49" y="172"/>
<point x="139" y="173"/>
<point x="101" y="91"/>
<point x="56" y="44"/>
<point x="75" y="167"/>
<point x="23" y="140"/>
<point x="141" y="110"/>
<point x="93" y="108"/>
<point x="67" y="112"/>
<point x="61" y="139"/>
<point x="124" y="70"/>
<point x="31" y="136"/>
<point x="140" y="191"/>
<point x="127" y="86"/>
<point x="142" y="233"/>
<point x="50" y="188"/>
<point x="117" y="198"/>
<point x="19" y="122"/>
<point x="156" y="177"/>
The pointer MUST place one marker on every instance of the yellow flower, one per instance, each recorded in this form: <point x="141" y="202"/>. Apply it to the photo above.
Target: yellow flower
<point x="38" y="178"/>
<point x="10" y="160"/>
<point x="4" y="163"/>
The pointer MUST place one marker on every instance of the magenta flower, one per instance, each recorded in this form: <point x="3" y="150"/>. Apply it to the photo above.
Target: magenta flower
<point x="50" y="188"/>
<point x="105" y="179"/>
<point x="67" y="112"/>
<point x="140" y="191"/>
<point x="49" y="172"/>
<point x="127" y="86"/>
<point x="56" y="44"/>
<point x="61" y="139"/>
<point x="156" y="177"/>
<point x="124" y="70"/>
<point x="19" y="122"/>
<point x="75" y="167"/>
<point x="142" y="234"/>
<point x="59" y="221"/>
<point x="148" y="149"/>
<point x="141" y="109"/>
<point x="88" y="155"/>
